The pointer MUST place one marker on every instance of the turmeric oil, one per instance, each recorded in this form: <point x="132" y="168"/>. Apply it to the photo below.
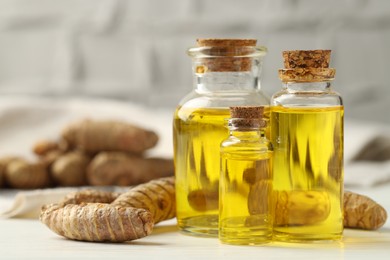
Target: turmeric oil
<point x="308" y="145"/>
<point x="245" y="208"/>
<point x="197" y="132"/>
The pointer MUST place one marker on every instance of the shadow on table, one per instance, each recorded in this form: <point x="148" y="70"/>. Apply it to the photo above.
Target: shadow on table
<point x="143" y="243"/>
<point x="353" y="239"/>
<point x="164" y="229"/>
<point x="157" y="230"/>
<point x="367" y="239"/>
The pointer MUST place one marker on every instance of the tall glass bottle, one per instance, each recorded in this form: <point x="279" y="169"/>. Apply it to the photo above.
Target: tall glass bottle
<point x="245" y="185"/>
<point x="307" y="135"/>
<point x="226" y="73"/>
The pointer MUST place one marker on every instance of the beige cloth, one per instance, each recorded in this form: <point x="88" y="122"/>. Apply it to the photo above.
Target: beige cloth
<point x="27" y="204"/>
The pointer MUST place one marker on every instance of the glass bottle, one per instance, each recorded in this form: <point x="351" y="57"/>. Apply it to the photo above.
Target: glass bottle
<point x="226" y="73"/>
<point x="307" y="135"/>
<point x="245" y="206"/>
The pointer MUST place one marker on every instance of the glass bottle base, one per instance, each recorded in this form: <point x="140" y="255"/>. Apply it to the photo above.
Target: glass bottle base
<point x="203" y="226"/>
<point x="245" y="230"/>
<point x="308" y="238"/>
<point x="246" y="241"/>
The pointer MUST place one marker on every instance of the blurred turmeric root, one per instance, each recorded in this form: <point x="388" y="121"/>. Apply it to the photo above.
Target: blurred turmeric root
<point x="116" y="168"/>
<point x="95" y="136"/>
<point x="65" y="162"/>
<point x="21" y="174"/>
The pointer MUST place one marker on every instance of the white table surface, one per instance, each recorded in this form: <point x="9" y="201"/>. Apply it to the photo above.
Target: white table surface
<point x="29" y="239"/>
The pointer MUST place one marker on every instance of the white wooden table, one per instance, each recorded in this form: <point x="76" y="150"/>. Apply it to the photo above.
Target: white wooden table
<point x="29" y="239"/>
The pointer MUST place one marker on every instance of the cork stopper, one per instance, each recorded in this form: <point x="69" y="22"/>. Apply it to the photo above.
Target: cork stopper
<point x="306" y="66"/>
<point x="247" y="117"/>
<point x="226" y="54"/>
<point x="246" y="112"/>
<point x="306" y="59"/>
<point x="226" y="42"/>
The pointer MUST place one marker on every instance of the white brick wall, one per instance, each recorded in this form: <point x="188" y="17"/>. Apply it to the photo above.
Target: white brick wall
<point x="135" y="49"/>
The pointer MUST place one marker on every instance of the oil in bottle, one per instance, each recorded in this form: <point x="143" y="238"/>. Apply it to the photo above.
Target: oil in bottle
<point x="197" y="131"/>
<point x="245" y="196"/>
<point x="308" y="173"/>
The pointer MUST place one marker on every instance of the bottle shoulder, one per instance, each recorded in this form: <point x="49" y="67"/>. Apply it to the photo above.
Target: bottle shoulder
<point x="288" y="98"/>
<point x="224" y="99"/>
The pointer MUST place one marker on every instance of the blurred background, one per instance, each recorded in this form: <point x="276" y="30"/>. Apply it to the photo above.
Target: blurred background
<point x="135" y="50"/>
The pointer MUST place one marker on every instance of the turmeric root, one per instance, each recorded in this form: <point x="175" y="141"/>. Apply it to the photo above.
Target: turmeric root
<point x="156" y="196"/>
<point x="70" y="169"/>
<point x="95" y="136"/>
<point x="97" y="222"/>
<point x="378" y="149"/>
<point x="1" y="177"/>
<point x="116" y="168"/>
<point x="309" y="207"/>
<point x="89" y="196"/>
<point x="21" y="174"/>
<point x="362" y="212"/>
<point x="3" y="167"/>
<point x="130" y="215"/>
<point x="259" y="197"/>
<point x="43" y="147"/>
<point x="300" y="207"/>
<point x="202" y="200"/>
<point x="206" y="198"/>
<point x="50" y="157"/>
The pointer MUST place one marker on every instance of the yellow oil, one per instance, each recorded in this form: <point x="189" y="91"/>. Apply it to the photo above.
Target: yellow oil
<point x="245" y="197"/>
<point x="198" y="133"/>
<point x="308" y="173"/>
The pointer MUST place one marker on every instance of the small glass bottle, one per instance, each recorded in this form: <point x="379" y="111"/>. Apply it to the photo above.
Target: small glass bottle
<point x="307" y="135"/>
<point x="226" y="73"/>
<point x="245" y="193"/>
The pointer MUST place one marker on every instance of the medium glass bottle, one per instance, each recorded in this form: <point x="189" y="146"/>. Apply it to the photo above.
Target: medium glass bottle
<point x="226" y="73"/>
<point x="245" y="195"/>
<point x="307" y="135"/>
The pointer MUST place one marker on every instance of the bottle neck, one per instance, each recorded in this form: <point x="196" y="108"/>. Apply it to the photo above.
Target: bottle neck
<point x="227" y="82"/>
<point x="323" y="86"/>
<point x="227" y="68"/>
<point x="246" y="127"/>
<point x="247" y="134"/>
